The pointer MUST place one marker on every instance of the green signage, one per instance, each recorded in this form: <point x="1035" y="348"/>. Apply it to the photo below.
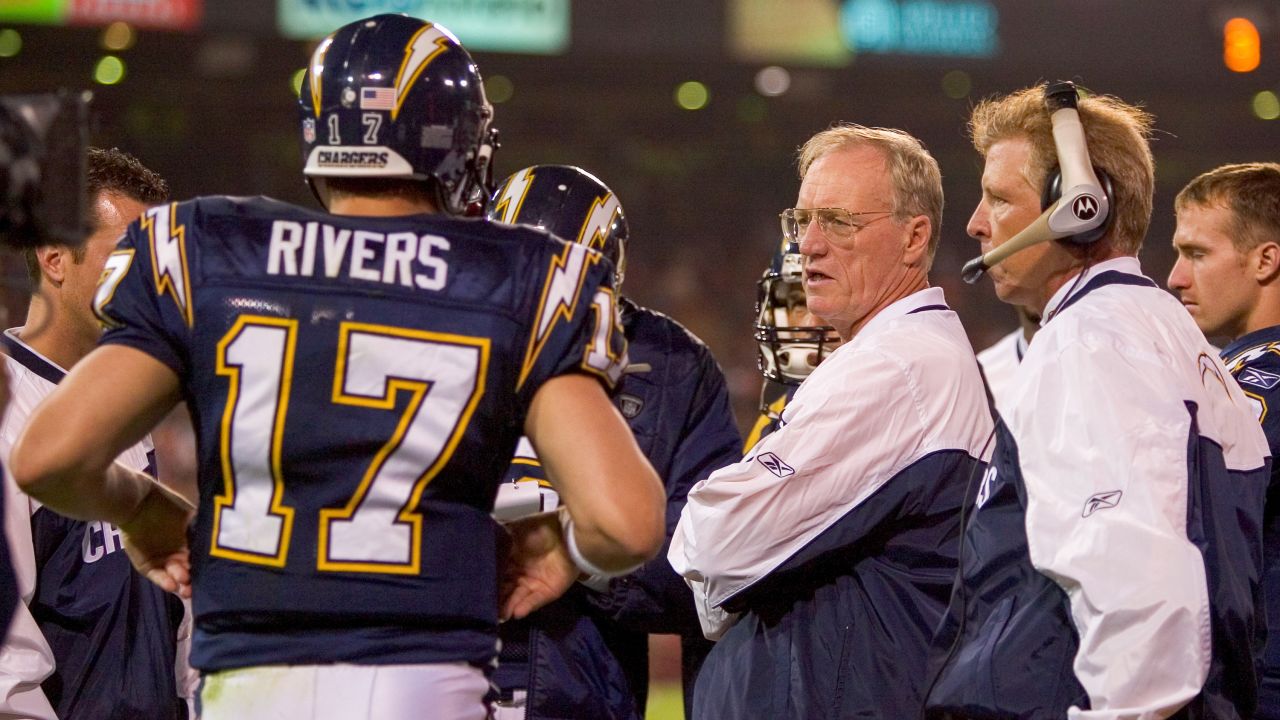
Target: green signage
<point x="51" y="12"/>
<point x="523" y="26"/>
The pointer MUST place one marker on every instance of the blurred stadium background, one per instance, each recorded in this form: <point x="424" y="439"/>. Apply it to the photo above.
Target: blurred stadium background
<point x="690" y="109"/>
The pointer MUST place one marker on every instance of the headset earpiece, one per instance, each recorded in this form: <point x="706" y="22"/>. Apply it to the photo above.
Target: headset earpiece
<point x="1053" y="191"/>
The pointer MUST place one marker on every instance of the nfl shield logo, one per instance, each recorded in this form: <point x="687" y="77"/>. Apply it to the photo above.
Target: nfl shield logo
<point x="309" y="130"/>
<point x="630" y="405"/>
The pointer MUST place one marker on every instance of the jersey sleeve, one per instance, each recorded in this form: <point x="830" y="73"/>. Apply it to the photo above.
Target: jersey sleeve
<point x="143" y="298"/>
<point x="25" y="658"/>
<point x="577" y="327"/>
<point x="775" y="506"/>
<point x="1259" y="378"/>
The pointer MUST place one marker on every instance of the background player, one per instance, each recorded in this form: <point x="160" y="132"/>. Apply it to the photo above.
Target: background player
<point x="359" y="378"/>
<point x="1228" y="276"/>
<point x="586" y="654"/>
<point x="93" y="639"/>
<point x="790" y="341"/>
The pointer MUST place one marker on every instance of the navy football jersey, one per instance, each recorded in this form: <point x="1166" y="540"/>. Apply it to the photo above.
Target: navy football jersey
<point x="774" y="397"/>
<point x="113" y="632"/>
<point x="1254" y="361"/>
<point x="357" y="386"/>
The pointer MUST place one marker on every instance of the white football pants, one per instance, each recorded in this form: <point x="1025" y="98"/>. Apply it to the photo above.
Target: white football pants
<point x="454" y="691"/>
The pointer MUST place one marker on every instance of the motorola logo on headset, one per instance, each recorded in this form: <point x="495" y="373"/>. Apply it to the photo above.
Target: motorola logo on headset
<point x="1084" y="207"/>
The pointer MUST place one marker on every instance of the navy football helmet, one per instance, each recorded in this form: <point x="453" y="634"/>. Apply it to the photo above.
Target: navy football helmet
<point x="396" y="97"/>
<point x="567" y="202"/>
<point x="787" y="352"/>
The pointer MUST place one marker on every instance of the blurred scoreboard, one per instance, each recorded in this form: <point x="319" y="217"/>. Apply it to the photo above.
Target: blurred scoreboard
<point x="832" y="32"/>
<point x="166" y="14"/>
<point x="517" y="26"/>
<point x="523" y="26"/>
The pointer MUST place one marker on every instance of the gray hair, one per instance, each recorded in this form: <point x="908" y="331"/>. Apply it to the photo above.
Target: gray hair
<point x="917" y="180"/>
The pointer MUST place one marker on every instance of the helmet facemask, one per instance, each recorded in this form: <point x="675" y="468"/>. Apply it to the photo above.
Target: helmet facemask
<point x="787" y="351"/>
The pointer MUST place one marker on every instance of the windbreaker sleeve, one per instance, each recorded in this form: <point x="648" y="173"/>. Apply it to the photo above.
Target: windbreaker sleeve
<point x="1103" y="447"/>
<point x="837" y="446"/>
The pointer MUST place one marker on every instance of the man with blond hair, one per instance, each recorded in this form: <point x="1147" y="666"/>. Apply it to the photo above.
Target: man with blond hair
<point x="1109" y="563"/>
<point x="1228" y="277"/>
<point x="823" y="560"/>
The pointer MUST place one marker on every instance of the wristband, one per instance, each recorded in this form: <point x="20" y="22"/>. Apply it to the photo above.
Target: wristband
<point x="585" y="565"/>
<point x="598" y="583"/>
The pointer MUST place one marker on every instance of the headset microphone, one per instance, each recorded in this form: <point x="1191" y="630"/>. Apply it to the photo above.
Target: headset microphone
<point x="1082" y="212"/>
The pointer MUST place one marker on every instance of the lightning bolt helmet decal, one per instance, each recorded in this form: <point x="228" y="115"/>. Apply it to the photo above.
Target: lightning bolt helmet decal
<point x="568" y="202"/>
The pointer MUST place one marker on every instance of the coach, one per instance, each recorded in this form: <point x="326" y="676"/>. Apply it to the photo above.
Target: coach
<point x="1111" y="565"/>
<point x="823" y="560"/>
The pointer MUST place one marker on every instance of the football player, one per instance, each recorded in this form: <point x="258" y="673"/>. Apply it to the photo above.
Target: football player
<point x="790" y="340"/>
<point x="82" y="600"/>
<point x="1228" y="276"/>
<point x="586" y="655"/>
<point x="359" y="379"/>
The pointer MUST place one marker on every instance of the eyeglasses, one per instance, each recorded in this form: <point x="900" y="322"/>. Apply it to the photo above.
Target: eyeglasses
<point x="836" y="223"/>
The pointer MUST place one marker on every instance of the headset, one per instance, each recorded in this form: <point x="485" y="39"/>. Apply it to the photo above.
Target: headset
<point x="1077" y="197"/>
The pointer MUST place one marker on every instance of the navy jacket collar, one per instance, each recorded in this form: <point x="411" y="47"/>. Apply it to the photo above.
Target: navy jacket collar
<point x="27" y="357"/>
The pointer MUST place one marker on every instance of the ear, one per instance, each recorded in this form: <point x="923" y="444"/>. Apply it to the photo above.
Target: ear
<point x="916" y="249"/>
<point x="54" y="260"/>
<point x="1266" y="262"/>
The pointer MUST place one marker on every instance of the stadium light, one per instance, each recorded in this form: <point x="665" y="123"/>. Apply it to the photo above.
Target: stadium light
<point x="773" y="81"/>
<point x="1241" y="45"/>
<point x="109" y="70"/>
<point x="957" y="84"/>
<point x="692" y="95"/>
<point x="1266" y="105"/>
<point x="10" y="42"/>
<point x="118" y="36"/>
<point x="499" y="88"/>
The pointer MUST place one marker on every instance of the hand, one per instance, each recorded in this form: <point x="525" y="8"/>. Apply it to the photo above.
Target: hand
<point x="156" y="539"/>
<point x="539" y="568"/>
